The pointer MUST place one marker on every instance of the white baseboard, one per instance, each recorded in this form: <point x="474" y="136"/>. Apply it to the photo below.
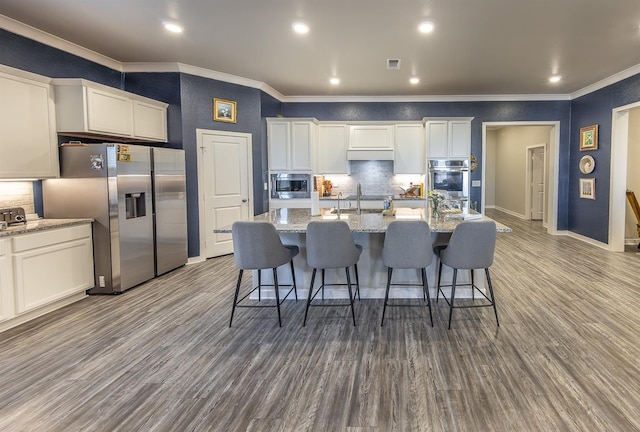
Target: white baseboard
<point x="509" y="212"/>
<point x="196" y="259"/>
<point x="585" y="239"/>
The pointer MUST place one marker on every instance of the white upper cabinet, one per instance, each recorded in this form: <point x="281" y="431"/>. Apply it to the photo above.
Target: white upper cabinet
<point x="448" y="138"/>
<point x="410" y="149"/>
<point x="89" y="109"/>
<point x="332" y="149"/>
<point x="28" y="141"/>
<point x="291" y="144"/>
<point x="371" y="142"/>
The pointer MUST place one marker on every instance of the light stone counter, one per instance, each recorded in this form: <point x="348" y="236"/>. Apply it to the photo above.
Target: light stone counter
<point x="368" y="231"/>
<point x="295" y="220"/>
<point x="41" y="225"/>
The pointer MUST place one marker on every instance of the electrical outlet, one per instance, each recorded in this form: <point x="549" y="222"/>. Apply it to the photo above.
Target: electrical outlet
<point x="101" y="281"/>
<point x="476" y="183"/>
<point x="266" y="186"/>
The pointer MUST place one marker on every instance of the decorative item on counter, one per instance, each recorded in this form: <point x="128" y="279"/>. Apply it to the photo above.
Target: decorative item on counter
<point x="389" y="209"/>
<point x="315" y="203"/>
<point x="328" y="187"/>
<point x="413" y="191"/>
<point x="435" y="198"/>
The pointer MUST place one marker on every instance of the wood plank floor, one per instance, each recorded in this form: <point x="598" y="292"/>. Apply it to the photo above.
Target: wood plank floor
<point x="162" y="358"/>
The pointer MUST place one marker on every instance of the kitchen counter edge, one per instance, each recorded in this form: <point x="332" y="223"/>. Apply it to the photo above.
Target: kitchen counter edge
<point x="42" y="225"/>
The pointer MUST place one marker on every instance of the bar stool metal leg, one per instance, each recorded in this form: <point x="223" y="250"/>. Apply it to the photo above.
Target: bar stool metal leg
<point x="386" y="294"/>
<point x="425" y="289"/>
<point x="277" y="289"/>
<point x="355" y="267"/>
<point x="306" y="311"/>
<point x="293" y="277"/>
<point x="493" y="300"/>
<point x="353" y="311"/>
<point x="453" y="295"/>
<point x="235" y="297"/>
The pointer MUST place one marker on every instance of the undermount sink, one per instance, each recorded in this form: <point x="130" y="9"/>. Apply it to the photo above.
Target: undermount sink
<point x="352" y="210"/>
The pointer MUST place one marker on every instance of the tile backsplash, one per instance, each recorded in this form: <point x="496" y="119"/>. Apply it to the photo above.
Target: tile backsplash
<point x="375" y="178"/>
<point x="17" y="194"/>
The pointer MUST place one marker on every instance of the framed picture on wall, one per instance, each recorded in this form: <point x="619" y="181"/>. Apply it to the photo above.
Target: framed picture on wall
<point x="224" y="110"/>
<point x="588" y="188"/>
<point x="589" y="138"/>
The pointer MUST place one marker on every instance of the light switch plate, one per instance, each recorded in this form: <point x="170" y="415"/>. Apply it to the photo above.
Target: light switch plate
<point x="476" y="183"/>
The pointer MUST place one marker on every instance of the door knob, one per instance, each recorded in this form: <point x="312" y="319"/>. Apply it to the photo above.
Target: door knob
<point x="245" y="200"/>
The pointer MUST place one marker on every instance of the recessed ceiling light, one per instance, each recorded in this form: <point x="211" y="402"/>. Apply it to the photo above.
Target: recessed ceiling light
<point x="173" y="27"/>
<point x="414" y="80"/>
<point x="334" y="81"/>
<point x="555" y="78"/>
<point x="426" y="27"/>
<point x="300" y="27"/>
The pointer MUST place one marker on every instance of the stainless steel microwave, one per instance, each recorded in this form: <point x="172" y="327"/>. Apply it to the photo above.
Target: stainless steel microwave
<point x="290" y="186"/>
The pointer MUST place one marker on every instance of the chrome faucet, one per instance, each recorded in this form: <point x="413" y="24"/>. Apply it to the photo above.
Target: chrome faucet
<point x="338" y="209"/>
<point x="358" y="196"/>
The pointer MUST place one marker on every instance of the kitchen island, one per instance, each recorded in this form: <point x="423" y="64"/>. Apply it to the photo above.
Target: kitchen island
<point x="368" y="230"/>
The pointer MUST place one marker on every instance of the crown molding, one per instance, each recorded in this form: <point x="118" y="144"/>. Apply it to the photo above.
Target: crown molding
<point x="201" y="72"/>
<point x="633" y="70"/>
<point x="430" y="98"/>
<point x="33" y="33"/>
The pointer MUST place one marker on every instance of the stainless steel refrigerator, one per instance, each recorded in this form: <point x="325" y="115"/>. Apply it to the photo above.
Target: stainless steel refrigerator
<point x="113" y="184"/>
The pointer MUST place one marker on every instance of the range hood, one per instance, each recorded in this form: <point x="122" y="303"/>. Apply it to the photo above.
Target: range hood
<point x="370" y="154"/>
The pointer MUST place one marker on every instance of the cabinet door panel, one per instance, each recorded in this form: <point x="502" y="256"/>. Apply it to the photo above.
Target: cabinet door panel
<point x="437" y="145"/>
<point x="109" y="113"/>
<point x="27" y="129"/>
<point x="7" y="308"/>
<point x="44" y="275"/>
<point x="301" y="145"/>
<point x="459" y="139"/>
<point x="332" y="149"/>
<point x="279" y="141"/>
<point x="149" y="121"/>
<point x="409" y="155"/>
<point x="371" y="137"/>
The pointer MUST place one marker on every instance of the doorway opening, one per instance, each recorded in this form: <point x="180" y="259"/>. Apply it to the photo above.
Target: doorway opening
<point x="536" y="187"/>
<point x="625" y="151"/>
<point x="523" y="194"/>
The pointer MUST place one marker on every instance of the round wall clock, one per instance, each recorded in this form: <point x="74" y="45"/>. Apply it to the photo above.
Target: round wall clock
<point x="474" y="163"/>
<point x="587" y="164"/>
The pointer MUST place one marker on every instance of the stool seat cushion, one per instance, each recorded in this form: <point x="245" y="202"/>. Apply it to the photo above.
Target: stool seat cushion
<point x="407" y="245"/>
<point x="257" y="245"/>
<point x="472" y="246"/>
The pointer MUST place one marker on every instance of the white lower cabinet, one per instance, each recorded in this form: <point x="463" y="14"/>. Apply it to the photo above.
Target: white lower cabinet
<point x="44" y="270"/>
<point x="7" y="309"/>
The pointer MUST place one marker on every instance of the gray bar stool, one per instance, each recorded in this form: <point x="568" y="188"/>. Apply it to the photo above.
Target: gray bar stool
<point x="472" y="246"/>
<point x="330" y="245"/>
<point x="407" y="245"/>
<point x="257" y="246"/>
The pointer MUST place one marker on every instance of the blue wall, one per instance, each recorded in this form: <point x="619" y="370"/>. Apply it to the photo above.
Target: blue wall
<point x="591" y="217"/>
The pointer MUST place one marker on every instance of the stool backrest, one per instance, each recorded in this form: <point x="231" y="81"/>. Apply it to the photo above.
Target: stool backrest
<point x="330" y="245"/>
<point x="407" y="244"/>
<point x="257" y="245"/>
<point x="472" y="245"/>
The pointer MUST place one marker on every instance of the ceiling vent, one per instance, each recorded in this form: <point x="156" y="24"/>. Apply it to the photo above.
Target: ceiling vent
<point x="393" y="64"/>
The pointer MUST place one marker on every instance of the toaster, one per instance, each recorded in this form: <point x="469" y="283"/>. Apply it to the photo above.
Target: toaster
<point x="13" y="215"/>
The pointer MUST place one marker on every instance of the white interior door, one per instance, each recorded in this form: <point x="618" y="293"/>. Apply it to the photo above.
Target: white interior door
<point x="537" y="183"/>
<point x="226" y="186"/>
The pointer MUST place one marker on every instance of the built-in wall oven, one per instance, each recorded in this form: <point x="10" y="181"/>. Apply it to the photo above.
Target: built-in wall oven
<point x="451" y="176"/>
<point x="290" y="186"/>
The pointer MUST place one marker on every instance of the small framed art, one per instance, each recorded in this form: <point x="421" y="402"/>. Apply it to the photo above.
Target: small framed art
<point x="224" y="110"/>
<point x="588" y="188"/>
<point x="589" y="138"/>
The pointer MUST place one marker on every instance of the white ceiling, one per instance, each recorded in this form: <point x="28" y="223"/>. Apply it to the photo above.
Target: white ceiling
<point x="479" y="47"/>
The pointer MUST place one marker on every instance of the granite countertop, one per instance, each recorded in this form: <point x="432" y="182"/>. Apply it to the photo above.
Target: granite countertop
<point x="41" y="225"/>
<point x="372" y="198"/>
<point x="295" y="220"/>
